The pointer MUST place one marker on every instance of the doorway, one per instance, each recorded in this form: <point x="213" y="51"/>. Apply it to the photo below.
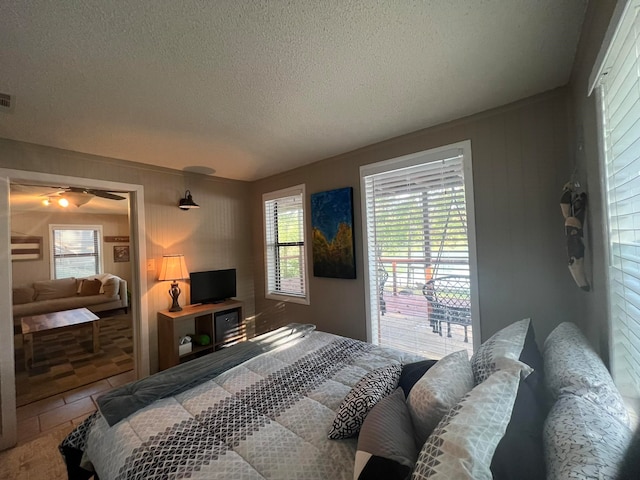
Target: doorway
<point x="139" y="309"/>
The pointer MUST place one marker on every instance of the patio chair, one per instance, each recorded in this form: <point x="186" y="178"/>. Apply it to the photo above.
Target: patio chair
<point x="450" y="299"/>
<point x="382" y="276"/>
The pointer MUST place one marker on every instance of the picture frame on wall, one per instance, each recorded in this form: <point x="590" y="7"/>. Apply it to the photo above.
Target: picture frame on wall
<point x="333" y="242"/>
<point x="121" y="253"/>
<point x="26" y="248"/>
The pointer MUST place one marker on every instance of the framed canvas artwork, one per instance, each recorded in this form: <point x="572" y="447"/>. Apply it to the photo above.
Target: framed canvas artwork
<point x="333" y="242"/>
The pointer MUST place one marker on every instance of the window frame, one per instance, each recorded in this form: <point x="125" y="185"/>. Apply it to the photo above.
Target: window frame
<point x="601" y="68"/>
<point x="426" y="156"/>
<point x="272" y="294"/>
<point x="52" y="255"/>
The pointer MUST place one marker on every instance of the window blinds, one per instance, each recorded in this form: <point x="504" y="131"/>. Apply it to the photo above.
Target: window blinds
<point x="416" y="230"/>
<point x="620" y="102"/>
<point x="76" y="253"/>
<point x="284" y="243"/>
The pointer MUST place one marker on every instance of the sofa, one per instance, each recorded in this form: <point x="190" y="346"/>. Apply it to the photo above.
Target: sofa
<point x="101" y="293"/>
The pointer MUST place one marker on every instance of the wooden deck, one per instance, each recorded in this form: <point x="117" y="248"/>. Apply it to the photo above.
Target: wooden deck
<point x="412" y="309"/>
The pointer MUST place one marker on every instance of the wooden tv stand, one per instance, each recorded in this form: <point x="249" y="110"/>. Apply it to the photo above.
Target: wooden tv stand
<point x="204" y="318"/>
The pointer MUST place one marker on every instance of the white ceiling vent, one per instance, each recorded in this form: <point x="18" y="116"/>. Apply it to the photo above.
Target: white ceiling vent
<point x="6" y="103"/>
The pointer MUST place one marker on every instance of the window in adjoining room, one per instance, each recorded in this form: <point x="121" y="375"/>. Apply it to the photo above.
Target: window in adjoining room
<point x="419" y="240"/>
<point x="616" y="76"/>
<point x="75" y="250"/>
<point x="285" y="253"/>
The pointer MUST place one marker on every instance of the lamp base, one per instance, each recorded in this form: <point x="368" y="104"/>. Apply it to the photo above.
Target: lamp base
<point x="174" y="291"/>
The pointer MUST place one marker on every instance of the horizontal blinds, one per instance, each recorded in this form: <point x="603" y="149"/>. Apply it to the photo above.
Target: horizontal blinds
<point x="76" y="253"/>
<point x="417" y="226"/>
<point x="285" y="252"/>
<point x="420" y="212"/>
<point x="620" y="96"/>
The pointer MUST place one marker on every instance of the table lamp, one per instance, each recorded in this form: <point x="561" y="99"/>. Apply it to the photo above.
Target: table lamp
<point x="173" y="269"/>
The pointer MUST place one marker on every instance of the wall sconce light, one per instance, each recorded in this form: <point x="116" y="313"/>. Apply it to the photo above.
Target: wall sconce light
<point x="173" y="269"/>
<point x="187" y="202"/>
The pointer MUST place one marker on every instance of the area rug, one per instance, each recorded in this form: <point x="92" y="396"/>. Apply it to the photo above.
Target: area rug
<point x="64" y="361"/>
<point x="37" y="459"/>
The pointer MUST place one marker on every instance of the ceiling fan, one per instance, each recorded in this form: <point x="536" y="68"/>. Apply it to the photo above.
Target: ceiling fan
<point x="75" y="195"/>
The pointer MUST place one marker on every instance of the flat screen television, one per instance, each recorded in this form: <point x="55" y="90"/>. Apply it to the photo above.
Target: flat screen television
<point x="213" y="286"/>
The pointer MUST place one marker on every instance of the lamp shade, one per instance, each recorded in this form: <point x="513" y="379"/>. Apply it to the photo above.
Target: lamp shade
<point x="187" y="202"/>
<point x="173" y="268"/>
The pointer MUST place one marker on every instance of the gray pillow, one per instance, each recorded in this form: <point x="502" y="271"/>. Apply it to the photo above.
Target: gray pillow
<point x="386" y="441"/>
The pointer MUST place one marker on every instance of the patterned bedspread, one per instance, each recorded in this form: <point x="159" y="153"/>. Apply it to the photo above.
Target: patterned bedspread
<point x="267" y="418"/>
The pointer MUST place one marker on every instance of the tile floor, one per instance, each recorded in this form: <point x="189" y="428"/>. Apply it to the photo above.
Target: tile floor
<point x="68" y="408"/>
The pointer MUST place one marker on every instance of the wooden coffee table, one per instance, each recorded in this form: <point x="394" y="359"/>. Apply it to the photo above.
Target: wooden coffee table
<point x="40" y="324"/>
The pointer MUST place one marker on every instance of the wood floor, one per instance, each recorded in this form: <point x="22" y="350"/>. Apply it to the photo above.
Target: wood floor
<point x="64" y="409"/>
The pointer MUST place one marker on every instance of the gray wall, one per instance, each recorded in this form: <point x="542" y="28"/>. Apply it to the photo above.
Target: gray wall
<point x="585" y="132"/>
<point x="521" y="161"/>
<point x="215" y="236"/>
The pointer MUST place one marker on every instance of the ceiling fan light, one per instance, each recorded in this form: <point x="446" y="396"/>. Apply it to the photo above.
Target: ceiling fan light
<point x="78" y="198"/>
<point x="46" y="202"/>
<point x="187" y="202"/>
<point x="63" y="202"/>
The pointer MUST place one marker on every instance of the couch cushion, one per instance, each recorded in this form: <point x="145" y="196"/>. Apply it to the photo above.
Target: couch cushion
<point x="583" y="441"/>
<point x="385" y="445"/>
<point x="462" y="445"/>
<point x="573" y="367"/>
<point x="439" y="389"/>
<point x="90" y="287"/>
<point x="23" y="295"/>
<point x="111" y="286"/>
<point x="51" y="289"/>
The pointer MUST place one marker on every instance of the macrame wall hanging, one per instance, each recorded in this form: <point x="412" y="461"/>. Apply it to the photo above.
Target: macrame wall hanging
<point x="574" y="209"/>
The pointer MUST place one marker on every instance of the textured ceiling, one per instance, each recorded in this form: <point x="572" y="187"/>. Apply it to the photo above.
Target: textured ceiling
<point x="250" y="88"/>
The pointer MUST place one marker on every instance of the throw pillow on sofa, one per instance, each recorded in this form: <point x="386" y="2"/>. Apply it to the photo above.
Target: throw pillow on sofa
<point x="22" y="295"/>
<point x="90" y="287"/>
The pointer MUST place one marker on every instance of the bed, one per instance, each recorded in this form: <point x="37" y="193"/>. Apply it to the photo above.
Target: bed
<point x="297" y="403"/>
<point x="259" y="410"/>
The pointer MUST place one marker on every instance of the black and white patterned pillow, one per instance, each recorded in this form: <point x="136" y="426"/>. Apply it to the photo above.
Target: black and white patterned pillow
<point x="573" y="367"/>
<point x="374" y="386"/>
<point x="462" y="445"/>
<point x="501" y="350"/>
<point x="582" y="441"/>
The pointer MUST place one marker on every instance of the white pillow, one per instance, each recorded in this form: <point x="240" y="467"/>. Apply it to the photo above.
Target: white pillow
<point x="462" y="445"/>
<point x="439" y="389"/>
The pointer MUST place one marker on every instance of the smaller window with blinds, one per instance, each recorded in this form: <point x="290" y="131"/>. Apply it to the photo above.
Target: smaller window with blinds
<point x="285" y="252"/>
<point x="75" y="250"/>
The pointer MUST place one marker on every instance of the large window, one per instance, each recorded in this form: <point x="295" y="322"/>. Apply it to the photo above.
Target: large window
<point x="285" y="255"/>
<point x="75" y="250"/>
<point x="418" y="234"/>
<point x="617" y="78"/>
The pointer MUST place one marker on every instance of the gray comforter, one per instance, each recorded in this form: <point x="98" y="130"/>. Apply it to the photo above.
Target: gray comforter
<point x="265" y="418"/>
